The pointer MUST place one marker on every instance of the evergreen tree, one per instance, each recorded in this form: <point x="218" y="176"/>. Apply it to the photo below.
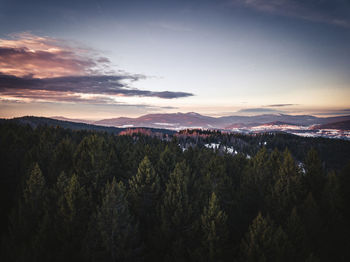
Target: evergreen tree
<point x="288" y="189"/>
<point x="344" y="185"/>
<point x="216" y="180"/>
<point x="177" y="213"/>
<point x="91" y="164"/>
<point x="255" y="182"/>
<point x="264" y="242"/>
<point x="119" y="232"/>
<point x="214" y="231"/>
<point x="61" y="186"/>
<point x="314" y="176"/>
<point x="166" y="164"/>
<point x="335" y="237"/>
<point x="313" y="223"/>
<point x="144" y="189"/>
<point x="274" y="165"/>
<point x="35" y="189"/>
<point x="296" y="235"/>
<point x="73" y="211"/>
<point x="143" y="196"/>
<point x="63" y="157"/>
<point x="28" y="228"/>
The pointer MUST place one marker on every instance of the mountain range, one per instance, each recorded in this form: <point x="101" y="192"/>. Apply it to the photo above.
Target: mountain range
<point x="177" y="121"/>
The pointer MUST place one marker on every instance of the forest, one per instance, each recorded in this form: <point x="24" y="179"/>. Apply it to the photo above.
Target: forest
<point x="85" y="195"/>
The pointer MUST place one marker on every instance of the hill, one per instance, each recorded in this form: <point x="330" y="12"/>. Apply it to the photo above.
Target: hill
<point x="34" y="121"/>
<point x="343" y="125"/>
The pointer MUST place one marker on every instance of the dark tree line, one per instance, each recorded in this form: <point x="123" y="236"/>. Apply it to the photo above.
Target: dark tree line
<point x="86" y="196"/>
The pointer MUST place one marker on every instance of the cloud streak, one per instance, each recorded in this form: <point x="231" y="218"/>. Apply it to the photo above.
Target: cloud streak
<point x="258" y="110"/>
<point x="280" y="105"/>
<point x="334" y="12"/>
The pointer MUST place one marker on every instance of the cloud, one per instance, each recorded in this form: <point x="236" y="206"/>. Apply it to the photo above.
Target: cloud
<point x="40" y="57"/>
<point x="49" y="96"/>
<point x="334" y="12"/>
<point x="69" y="86"/>
<point x="176" y="27"/>
<point x="43" y="68"/>
<point x="280" y="105"/>
<point x="258" y="110"/>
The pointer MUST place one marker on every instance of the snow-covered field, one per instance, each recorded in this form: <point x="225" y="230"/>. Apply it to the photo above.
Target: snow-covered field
<point x="306" y="131"/>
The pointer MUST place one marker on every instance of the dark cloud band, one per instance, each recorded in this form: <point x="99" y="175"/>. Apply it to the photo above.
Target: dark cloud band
<point x="115" y="85"/>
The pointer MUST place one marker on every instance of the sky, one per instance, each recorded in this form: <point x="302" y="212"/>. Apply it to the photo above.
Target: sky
<point x="101" y="59"/>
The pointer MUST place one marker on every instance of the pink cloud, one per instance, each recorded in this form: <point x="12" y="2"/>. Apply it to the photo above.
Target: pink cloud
<point x="42" y="57"/>
<point x="34" y="68"/>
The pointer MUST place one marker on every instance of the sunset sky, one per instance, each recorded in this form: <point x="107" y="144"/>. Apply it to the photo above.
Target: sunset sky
<point x="100" y="59"/>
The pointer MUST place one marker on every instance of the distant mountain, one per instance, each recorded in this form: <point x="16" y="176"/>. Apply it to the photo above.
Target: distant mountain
<point x="194" y="120"/>
<point x="343" y="125"/>
<point x="168" y="124"/>
<point x="268" y="118"/>
<point x="335" y="119"/>
<point x="170" y="121"/>
<point x="262" y="125"/>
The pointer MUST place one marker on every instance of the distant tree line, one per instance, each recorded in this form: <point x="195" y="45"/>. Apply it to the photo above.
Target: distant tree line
<point x="88" y="196"/>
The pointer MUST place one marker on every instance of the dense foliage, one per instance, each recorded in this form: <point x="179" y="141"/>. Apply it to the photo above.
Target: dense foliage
<point x="88" y="196"/>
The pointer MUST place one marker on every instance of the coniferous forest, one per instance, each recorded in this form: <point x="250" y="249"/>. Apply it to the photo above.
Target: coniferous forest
<point x="80" y="195"/>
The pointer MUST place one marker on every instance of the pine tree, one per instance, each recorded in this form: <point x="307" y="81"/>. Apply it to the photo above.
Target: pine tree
<point x="216" y="180"/>
<point x="72" y="213"/>
<point x="344" y="185"/>
<point x="274" y="165"/>
<point x="76" y="199"/>
<point x="143" y="196"/>
<point x="288" y="189"/>
<point x="264" y="242"/>
<point x="60" y="189"/>
<point x="176" y="211"/>
<point x="296" y="235"/>
<point x="314" y="176"/>
<point x="344" y="192"/>
<point x="144" y="189"/>
<point x="214" y="231"/>
<point x="63" y="157"/>
<point x="28" y="230"/>
<point x="166" y="164"/>
<point x="335" y="237"/>
<point x="312" y="220"/>
<point x="216" y="174"/>
<point x="60" y="222"/>
<point x="90" y="162"/>
<point x="35" y="188"/>
<point x="116" y="225"/>
<point x="255" y="184"/>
